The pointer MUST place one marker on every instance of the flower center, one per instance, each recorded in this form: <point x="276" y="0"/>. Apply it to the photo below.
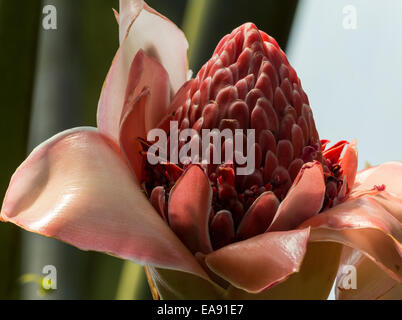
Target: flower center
<point x="248" y="84"/>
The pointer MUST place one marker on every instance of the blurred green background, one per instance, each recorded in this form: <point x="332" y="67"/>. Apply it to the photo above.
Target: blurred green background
<point x="51" y="81"/>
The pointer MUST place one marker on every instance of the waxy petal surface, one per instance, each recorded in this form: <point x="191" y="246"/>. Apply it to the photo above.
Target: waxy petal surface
<point x="395" y="293"/>
<point x="313" y="281"/>
<point x="349" y="164"/>
<point x="131" y="129"/>
<point x="365" y="225"/>
<point x="157" y="36"/>
<point x="111" y="100"/>
<point x="260" y="262"/>
<point x="189" y="209"/>
<point x="304" y="199"/>
<point x="388" y="174"/>
<point x="259" y="216"/>
<point x="77" y="188"/>
<point x="160" y="39"/>
<point x="371" y="281"/>
<point x="128" y="12"/>
<point x="146" y="72"/>
<point x="122" y="88"/>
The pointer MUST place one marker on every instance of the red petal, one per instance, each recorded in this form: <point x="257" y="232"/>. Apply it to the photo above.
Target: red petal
<point x="258" y="217"/>
<point x="349" y="164"/>
<point x="335" y="151"/>
<point x="303" y="200"/>
<point x="158" y="201"/>
<point x="189" y="208"/>
<point x="222" y="229"/>
<point x="131" y="129"/>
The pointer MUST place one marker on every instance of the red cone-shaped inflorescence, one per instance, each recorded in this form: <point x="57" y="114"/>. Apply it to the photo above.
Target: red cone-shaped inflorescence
<point x="247" y="84"/>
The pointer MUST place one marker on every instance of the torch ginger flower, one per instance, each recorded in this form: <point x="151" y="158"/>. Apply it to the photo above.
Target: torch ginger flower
<point x="204" y="231"/>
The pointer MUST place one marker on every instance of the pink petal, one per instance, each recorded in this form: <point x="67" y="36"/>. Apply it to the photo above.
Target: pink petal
<point x="189" y="207"/>
<point x="388" y="174"/>
<point x="371" y="281"/>
<point x="349" y="164"/>
<point x="157" y="36"/>
<point x="110" y="104"/>
<point x="76" y="187"/>
<point x="391" y="203"/>
<point x="262" y="261"/>
<point x="304" y="199"/>
<point x="129" y="11"/>
<point x="365" y="225"/>
<point x="144" y="72"/>
<point x="313" y="280"/>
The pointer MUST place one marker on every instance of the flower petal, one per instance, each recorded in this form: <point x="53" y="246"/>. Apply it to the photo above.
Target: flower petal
<point x="222" y="229"/>
<point x="157" y="36"/>
<point x="363" y="224"/>
<point x="349" y="164"/>
<point x="76" y="187"/>
<point x="129" y="11"/>
<point x="388" y="174"/>
<point x="157" y="199"/>
<point x="144" y="72"/>
<point x="304" y="199"/>
<point x="258" y="217"/>
<point x="133" y="127"/>
<point x="333" y="153"/>
<point x="313" y="281"/>
<point x="110" y="104"/>
<point x="189" y="207"/>
<point x="262" y="261"/>
<point x="371" y="281"/>
<point x="395" y="293"/>
<point x="391" y="203"/>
